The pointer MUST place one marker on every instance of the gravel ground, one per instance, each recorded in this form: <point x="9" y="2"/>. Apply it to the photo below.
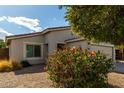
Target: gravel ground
<point x="36" y="77"/>
<point x="116" y="80"/>
<point x="30" y="77"/>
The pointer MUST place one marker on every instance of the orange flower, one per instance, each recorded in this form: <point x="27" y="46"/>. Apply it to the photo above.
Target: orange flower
<point x="93" y="53"/>
<point x="73" y="49"/>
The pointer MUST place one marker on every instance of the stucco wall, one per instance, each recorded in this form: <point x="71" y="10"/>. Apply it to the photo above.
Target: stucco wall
<point x="82" y="44"/>
<point x="55" y="37"/>
<point x="50" y="40"/>
<point x="16" y="48"/>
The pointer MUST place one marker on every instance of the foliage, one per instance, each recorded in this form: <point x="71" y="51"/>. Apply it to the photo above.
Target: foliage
<point x="78" y="68"/>
<point x="97" y="23"/>
<point x="6" y="65"/>
<point x="2" y="44"/>
<point x="16" y="65"/>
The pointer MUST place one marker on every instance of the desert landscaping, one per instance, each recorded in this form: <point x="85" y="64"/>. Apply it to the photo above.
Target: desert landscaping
<point x="37" y="77"/>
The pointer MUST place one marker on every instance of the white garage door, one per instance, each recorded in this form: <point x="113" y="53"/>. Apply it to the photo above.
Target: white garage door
<point x="107" y="50"/>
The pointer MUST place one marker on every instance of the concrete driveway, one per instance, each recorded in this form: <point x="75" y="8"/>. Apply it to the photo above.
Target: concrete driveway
<point x="116" y="78"/>
<point x="119" y="66"/>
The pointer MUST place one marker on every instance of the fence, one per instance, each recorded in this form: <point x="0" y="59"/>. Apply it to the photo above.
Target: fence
<point x="4" y="53"/>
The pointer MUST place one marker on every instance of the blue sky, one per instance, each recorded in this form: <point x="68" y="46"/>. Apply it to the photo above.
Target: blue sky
<point x="26" y="19"/>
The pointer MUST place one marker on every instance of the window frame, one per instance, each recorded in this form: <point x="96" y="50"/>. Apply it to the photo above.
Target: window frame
<point x="25" y="51"/>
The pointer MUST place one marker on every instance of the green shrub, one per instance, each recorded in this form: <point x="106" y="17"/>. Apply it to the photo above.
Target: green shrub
<point x="78" y="68"/>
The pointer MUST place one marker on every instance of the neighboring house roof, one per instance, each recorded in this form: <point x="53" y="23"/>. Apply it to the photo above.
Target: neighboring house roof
<point x="38" y="33"/>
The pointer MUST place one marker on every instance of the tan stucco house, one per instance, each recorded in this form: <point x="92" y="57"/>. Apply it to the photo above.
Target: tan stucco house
<point x="35" y="47"/>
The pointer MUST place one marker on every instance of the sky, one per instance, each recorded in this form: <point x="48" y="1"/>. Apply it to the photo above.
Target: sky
<point x="27" y="19"/>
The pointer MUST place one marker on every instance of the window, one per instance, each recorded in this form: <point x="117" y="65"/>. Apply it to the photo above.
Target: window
<point x="33" y="51"/>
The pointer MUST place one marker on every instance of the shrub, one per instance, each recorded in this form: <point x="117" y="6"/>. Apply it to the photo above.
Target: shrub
<point x="78" y="68"/>
<point x="25" y="63"/>
<point x="16" y="65"/>
<point x="6" y="65"/>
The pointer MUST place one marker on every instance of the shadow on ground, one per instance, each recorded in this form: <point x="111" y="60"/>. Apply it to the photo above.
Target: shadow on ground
<point x="32" y="69"/>
<point x="119" y="68"/>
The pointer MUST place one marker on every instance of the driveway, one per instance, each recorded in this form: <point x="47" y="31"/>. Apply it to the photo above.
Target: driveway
<point x="30" y="77"/>
<point x="116" y="78"/>
<point x="119" y="66"/>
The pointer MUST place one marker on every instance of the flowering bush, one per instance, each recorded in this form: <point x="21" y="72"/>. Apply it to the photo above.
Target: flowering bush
<point x="76" y="67"/>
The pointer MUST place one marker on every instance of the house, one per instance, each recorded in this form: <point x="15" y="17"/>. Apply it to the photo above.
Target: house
<point x="35" y="47"/>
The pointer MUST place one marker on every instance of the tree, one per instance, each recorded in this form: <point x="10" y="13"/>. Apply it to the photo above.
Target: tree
<point x="2" y="43"/>
<point x="98" y="23"/>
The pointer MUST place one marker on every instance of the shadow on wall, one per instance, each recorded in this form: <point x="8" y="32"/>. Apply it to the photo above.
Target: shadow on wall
<point x="32" y="69"/>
